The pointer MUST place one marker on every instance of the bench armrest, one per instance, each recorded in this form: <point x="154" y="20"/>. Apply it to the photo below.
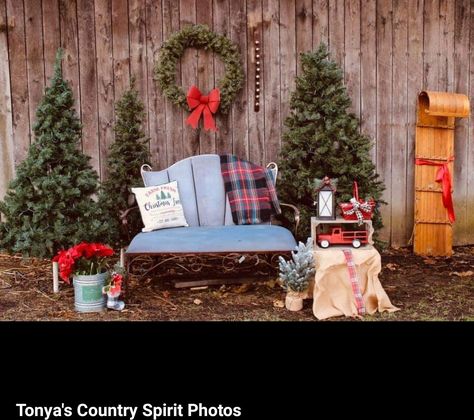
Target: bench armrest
<point x="124" y="214"/>
<point x="297" y="215"/>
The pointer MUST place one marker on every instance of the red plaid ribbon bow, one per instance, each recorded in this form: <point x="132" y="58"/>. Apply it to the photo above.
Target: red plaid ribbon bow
<point x="354" y="281"/>
<point x="358" y="208"/>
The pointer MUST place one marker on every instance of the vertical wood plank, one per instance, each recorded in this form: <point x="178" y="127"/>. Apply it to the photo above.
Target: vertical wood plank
<point x="156" y="110"/>
<point x="187" y="16"/>
<point x="414" y="86"/>
<point x="69" y="43"/>
<point x="399" y="123"/>
<point x="256" y="120"/>
<point x="18" y="79"/>
<point x="446" y="45"/>
<point x="431" y="44"/>
<point x="288" y="57"/>
<point x="222" y="26"/>
<point x="368" y="72"/>
<point x="121" y="47"/>
<point x="304" y="28"/>
<point x="352" y="53"/>
<point x="271" y="75"/>
<point x="51" y="35"/>
<point x="384" y="108"/>
<point x="205" y="72"/>
<point x="88" y="81"/>
<point x="7" y="153"/>
<point x="174" y="114"/>
<point x="240" y="144"/>
<point x="336" y="30"/>
<point x="105" y="79"/>
<point x="138" y="51"/>
<point x="320" y="22"/>
<point x="34" y="56"/>
<point x="462" y="32"/>
<point x="469" y="226"/>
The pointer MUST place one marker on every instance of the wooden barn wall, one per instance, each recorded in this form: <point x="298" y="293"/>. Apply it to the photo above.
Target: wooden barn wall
<point x="389" y="49"/>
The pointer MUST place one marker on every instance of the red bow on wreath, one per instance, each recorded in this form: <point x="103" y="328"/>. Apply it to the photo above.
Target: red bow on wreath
<point x="202" y="104"/>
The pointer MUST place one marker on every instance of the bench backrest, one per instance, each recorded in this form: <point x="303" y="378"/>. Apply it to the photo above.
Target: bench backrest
<point x="201" y="189"/>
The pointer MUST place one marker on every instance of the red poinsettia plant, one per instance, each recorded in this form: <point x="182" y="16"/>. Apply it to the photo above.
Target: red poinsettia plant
<point x="83" y="259"/>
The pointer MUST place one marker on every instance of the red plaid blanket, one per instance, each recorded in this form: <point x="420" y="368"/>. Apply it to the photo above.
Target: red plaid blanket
<point x="354" y="282"/>
<point x="251" y="191"/>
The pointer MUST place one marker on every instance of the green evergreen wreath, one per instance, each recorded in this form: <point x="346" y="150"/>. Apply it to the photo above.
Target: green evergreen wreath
<point x="199" y="36"/>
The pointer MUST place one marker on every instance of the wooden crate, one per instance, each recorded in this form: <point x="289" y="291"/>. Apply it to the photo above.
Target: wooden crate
<point x="435" y="142"/>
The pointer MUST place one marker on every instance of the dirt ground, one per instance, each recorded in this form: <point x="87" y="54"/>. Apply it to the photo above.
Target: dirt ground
<point x="423" y="288"/>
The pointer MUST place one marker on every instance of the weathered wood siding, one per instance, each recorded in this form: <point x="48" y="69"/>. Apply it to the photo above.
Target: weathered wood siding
<point x="389" y="49"/>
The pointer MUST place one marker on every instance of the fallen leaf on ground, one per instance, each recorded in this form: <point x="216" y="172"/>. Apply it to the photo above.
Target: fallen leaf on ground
<point x="463" y="273"/>
<point x="166" y="294"/>
<point x="392" y="266"/>
<point x="197" y="301"/>
<point x="271" y="283"/>
<point x="243" y="288"/>
<point x="278" y="303"/>
<point x="430" y="261"/>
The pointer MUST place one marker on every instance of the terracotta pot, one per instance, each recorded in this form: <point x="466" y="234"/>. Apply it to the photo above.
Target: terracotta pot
<point x="294" y="300"/>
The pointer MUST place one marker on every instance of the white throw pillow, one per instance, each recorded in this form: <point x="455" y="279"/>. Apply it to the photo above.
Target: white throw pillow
<point x="160" y="206"/>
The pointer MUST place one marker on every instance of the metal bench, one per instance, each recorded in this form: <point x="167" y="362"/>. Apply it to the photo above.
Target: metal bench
<point x="212" y="244"/>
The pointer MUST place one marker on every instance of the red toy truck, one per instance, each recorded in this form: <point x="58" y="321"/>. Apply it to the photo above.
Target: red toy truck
<point x="343" y="237"/>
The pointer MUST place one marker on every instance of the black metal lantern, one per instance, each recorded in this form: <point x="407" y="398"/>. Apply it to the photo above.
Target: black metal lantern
<point x="325" y="199"/>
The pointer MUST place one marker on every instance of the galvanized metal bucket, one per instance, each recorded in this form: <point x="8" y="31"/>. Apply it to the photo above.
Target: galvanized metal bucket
<point x="88" y="296"/>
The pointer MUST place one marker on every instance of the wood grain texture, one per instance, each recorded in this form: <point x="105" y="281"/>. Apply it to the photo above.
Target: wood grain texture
<point x="288" y="56"/>
<point x="105" y="79"/>
<point x="51" y="34"/>
<point x="221" y="24"/>
<point x="368" y="72"/>
<point x="431" y="44"/>
<point x="189" y="66"/>
<point x="271" y="76"/>
<point x="7" y="153"/>
<point x="384" y="109"/>
<point x="88" y="81"/>
<point x="336" y="30"/>
<point x="256" y="120"/>
<point x="399" y="143"/>
<point x="174" y="115"/>
<point x="414" y="86"/>
<point x="462" y="30"/>
<point x="320" y="22"/>
<point x="352" y="65"/>
<point x="304" y="27"/>
<point x="388" y="53"/>
<point x="156" y="111"/>
<point x="205" y="72"/>
<point x="69" y="43"/>
<point x="239" y="122"/>
<point x="121" y="47"/>
<point x="138" y="51"/>
<point x="34" y="56"/>
<point x="18" y="79"/>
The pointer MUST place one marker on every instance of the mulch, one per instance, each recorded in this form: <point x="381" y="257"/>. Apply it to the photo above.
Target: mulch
<point x="423" y="288"/>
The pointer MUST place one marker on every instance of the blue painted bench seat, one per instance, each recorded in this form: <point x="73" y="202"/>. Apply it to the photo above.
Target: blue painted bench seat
<point x="206" y="207"/>
<point x="214" y="239"/>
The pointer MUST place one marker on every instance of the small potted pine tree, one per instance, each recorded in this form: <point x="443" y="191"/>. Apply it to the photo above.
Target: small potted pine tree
<point x="296" y="274"/>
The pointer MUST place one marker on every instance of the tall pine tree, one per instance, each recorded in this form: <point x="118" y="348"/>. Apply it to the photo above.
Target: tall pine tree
<point x="126" y="155"/>
<point x="322" y="138"/>
<point x="48" y="205"/>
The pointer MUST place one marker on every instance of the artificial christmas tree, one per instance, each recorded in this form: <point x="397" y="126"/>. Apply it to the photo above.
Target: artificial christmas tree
<point x="126" y="155"/>
<point x="322" y="138"/>
<point x="48" y="205"/>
